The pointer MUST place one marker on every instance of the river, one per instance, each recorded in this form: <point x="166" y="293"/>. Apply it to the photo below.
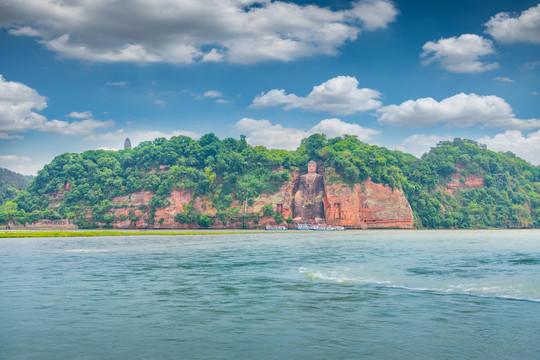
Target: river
<point x="290" y="295"/>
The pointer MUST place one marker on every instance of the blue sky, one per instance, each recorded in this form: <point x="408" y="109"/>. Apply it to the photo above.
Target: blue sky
<point x="83" y="74"/>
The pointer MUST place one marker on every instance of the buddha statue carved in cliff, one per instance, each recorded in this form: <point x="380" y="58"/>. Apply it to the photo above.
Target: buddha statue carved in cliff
<point x="308" y="199"/>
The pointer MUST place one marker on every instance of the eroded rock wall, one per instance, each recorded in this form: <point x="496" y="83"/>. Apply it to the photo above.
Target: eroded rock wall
<point x="366" y="206"/>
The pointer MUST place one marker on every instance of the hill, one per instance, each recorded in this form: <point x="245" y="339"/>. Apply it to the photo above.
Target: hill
<point x="11" y="183"/>
<point x="210" y="182"/>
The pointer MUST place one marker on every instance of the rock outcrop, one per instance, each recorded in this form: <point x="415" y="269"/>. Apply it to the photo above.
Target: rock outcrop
<point x="366" y="206"/>
<point x="306" y="198"/>
<point x="460" y="182"/>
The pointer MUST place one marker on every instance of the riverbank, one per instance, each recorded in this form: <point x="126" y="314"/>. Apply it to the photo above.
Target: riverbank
<point x="109" y="232"/>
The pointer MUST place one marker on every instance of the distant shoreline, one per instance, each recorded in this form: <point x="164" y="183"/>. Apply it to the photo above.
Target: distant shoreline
<point x="123" y="232"/>
<point x="187" y="232"/>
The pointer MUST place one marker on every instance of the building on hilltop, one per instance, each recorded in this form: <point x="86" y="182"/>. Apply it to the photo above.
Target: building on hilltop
<point x="127" y="144"/>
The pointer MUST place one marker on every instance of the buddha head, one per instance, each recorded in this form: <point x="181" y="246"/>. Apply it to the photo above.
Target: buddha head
<point x="312" y="167"/>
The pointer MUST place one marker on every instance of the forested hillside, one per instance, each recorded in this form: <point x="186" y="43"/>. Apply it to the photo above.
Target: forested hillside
<point x="458" y="184"/>
<point x="11" y="183"/>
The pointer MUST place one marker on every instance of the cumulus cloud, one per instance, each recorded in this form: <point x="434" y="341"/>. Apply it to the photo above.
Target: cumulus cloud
<point x="418" y="144"/>
<point x="18" y="106"/>
<point x="263" y="132"/>
<point x="505" y="27"/>
<point x="460" y="54"/>
<point x="339" y="95"/>
<point x="526" y="146"/>
<point x="374" y="14"/>
<point x="238" y="31"/>
<point x="461" y="110"/>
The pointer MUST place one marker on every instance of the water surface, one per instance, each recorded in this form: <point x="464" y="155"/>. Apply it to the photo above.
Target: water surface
<point x="291" y="295"/>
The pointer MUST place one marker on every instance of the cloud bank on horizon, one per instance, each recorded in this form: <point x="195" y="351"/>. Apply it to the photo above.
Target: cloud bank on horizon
<point x="183" y="67"/>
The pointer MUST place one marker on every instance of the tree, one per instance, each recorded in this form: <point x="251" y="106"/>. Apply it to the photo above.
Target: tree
<point x="205" y="220"/>
<point x="268" y="210"/>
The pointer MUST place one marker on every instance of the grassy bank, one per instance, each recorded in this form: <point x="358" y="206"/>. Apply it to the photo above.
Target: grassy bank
<point x="92" y="233"/>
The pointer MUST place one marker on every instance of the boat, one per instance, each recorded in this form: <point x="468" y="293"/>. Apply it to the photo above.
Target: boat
<point x="324" y="227"/>
<point x="276" y="227"/>
<point x="318" y="227"/>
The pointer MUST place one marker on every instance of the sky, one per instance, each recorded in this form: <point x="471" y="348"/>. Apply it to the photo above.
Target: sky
<point x="80" y="75"/>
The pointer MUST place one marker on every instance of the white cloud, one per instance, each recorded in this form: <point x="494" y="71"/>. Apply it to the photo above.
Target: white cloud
<point x="138" y="136"/>
<point x="461" y="110"/>
<point x="418" y="144"/>
<point x="339" y="95"/>
<point x="213" y="56"/>
<point x="117" y="83"/>
<point x="506" y="28"/>
<point x="336" y="127"/>
<point x="83" y="127"/>
<point x="18" y="103"/>
<point x="263" y="132"/>
<point x="223" y="101"/>
<point x="160" y="102"/>
<point x="181" y="32"/>
<point x="460" y="54"/>
<point x="14" y="158"/>
<point x="212" y="94"/>
<point x="6" y="136"/>
<point x="374" y="14"/>
<point x="25" y="168"/>
<point x="525" y="146"/>
<point x="81" y="115"/>
<point x="532" y="64"/>
<point x="503" y="79"/>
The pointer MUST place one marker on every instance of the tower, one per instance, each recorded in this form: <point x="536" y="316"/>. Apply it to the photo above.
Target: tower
<point x="127" y="144"/>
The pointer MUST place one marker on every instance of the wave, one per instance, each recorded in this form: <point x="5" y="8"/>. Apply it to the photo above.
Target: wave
<point x="86" y="250"/>
<point x="523" y="292"/>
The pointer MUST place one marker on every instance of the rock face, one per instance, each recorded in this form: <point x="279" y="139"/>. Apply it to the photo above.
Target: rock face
<point x="306" y="198"/>
<point x="366" y="206"/>
<point x="459" y="182"/>
<point x="309" y="194"/>
<point x="282" y="200"/>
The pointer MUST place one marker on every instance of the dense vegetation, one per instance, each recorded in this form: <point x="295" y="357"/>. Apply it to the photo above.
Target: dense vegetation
<point x="11" y="183"/>
<point x="81" y="186"/>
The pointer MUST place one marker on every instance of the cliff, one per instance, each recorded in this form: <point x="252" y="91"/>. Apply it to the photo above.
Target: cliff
<point x="366" y="206"/>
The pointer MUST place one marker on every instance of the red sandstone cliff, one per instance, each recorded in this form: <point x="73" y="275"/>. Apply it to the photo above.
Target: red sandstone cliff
<point x="366" y="206"/>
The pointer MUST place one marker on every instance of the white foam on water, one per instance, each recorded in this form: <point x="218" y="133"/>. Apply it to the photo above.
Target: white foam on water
<point x="339" y="277"/>
<point x="527" y="292"/>
<point x="86" y="250"/>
